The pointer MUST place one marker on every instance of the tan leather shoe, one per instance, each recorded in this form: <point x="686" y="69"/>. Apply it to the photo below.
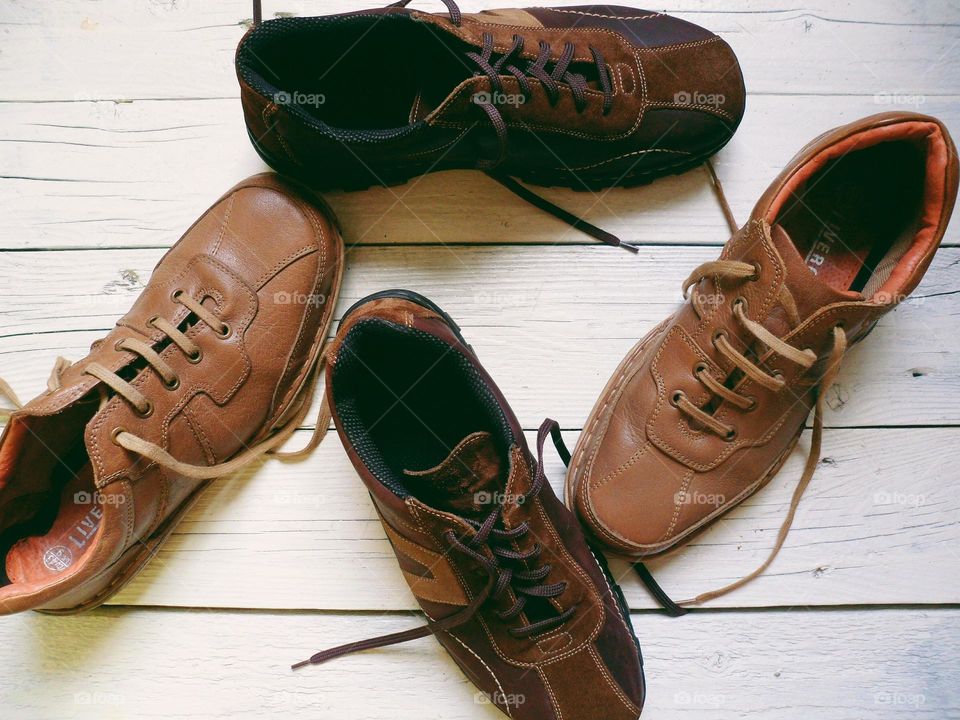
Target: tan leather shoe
<point x="500" y="567"/>
<point x="212" y="367"/>
<point x="706" y="408"/>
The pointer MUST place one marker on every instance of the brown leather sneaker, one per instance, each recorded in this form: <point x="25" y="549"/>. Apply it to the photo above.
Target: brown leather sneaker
<point x="586" y="97"/>
<point x="706" y="408"/>
<point x="212" y="367"/>
<point x="498" y="564"/>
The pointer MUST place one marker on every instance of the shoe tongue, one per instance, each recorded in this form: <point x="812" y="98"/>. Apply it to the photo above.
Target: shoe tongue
<point x="467" y="482"/>
<point x="802" y="288"/>
<point x="459" y="101"/>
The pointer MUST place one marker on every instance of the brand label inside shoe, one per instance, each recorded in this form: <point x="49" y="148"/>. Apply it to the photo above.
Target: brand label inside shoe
<point x="60" y="557"/>
<point x="57" y="559"/>
<point x="826" y="241"/>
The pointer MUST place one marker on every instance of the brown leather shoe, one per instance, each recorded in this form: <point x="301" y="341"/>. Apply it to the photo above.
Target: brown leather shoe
<point x="586" y="97"/>
<point x="213" y="366"/>
<point x="705" y="409"/>
<point x="498" y="564"/>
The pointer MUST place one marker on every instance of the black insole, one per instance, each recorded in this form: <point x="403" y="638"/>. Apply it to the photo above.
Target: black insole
<point x="845" y="219"/>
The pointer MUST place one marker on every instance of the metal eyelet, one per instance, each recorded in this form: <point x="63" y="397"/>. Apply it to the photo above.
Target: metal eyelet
<point x="700" y="367"/>
<point x="152" y="320"/>
<point x="756" y="271"/>
<point x="224" y="332"/>
<point x="115" y="433"/>
<point x="175" y="295"/>
<point x="742" y="302"/>
<point x="731" y="435"/>
<point x="172" y="385"/>
<point x="145" y="413"/>
<point x="753" y="404"/>
<point x="196" y="357"/>
<point x="677" y="397"/>
<point x="719" y="334"/>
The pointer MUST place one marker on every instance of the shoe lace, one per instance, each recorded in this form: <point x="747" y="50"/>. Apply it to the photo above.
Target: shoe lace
<point x="537" y="69"/>
<point x="492" y="548"/>
<point x="551" y="82"/>
<point x="143" y="406"/>
<point x="805" y="358"/>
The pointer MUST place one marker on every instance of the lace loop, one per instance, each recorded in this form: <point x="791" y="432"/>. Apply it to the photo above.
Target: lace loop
<point x="144" y="407"/>
<point x="456" y="17"/>
<point x="735" y="270"/>
<point x="537" y="69"/>
<point x="483" y="545"/>
<point x="837" y="352"/>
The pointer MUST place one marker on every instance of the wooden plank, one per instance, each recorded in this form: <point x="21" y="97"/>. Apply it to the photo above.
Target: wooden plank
<point x="102" y="174"/>
<point x="550" y="338"/>
<point x="878" y="526"/>
<point x="119" y="50"/>
<point x="841" y="665"/>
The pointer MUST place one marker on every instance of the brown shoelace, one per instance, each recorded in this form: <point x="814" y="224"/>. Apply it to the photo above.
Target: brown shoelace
<point x="490" y="547"/>
<point x="551" y="82"/>
<point x="805" y="358"/>
<point x="537" y="69"/>
<point x="144" y="407"/>
<point x="496" y="69"/>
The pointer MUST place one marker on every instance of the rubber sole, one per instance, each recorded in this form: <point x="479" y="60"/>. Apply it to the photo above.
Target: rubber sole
<point x="351" y="182"/>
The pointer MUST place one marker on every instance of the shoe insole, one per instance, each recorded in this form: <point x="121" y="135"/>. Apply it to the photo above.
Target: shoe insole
<point x="855" y="211"/>
<point x="42" y="558"/>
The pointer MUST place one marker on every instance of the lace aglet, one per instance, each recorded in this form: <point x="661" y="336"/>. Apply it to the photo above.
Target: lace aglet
<point x="629" y="247"/>
<point x="302" y="663"/>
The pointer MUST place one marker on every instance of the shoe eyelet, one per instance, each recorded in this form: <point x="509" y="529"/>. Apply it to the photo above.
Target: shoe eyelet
<point x="700" y="367"/>
<point x="224" y="332"/>
<point x="731" y="435"/>
<point x="756" y="271"/>
<point x="175" y="295"/>
<point x="719" y="334"/>
<point x="677" y="397"/>
<point x="152" y="320"/>
<point x="172" y="385"/>
<point x="196" y="357"/>
<point x="115" y="433"/>
<point x="145" y="413"/>
<point x="753" y="404"/>
<point x="741" y="302"/>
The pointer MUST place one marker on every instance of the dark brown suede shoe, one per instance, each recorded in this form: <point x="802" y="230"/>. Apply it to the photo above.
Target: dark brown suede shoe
<point x="586" y="97"/>
<point x="705" y="409"/>
<point x="212" y="367"/>
<point x="498" y="564"/>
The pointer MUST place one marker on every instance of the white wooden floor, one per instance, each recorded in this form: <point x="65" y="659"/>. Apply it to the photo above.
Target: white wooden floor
<point x="120" y="123"/>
